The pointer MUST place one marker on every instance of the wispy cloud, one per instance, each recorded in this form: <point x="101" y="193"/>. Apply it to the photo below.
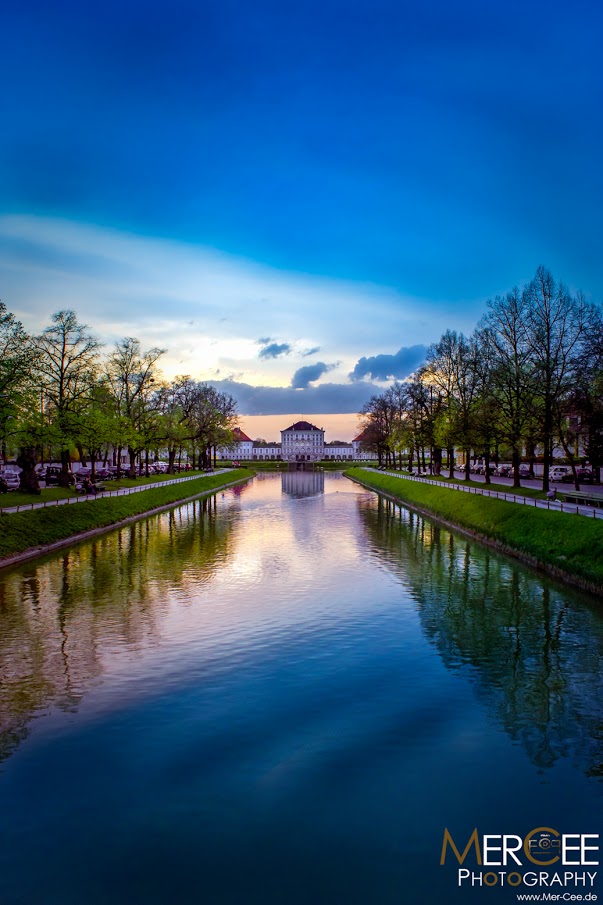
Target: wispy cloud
<point x="123" y="284"/>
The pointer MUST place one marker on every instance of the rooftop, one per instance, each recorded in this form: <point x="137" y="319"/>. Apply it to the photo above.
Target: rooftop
<point x="303" y="426"/>
<point x="240" y="437"/>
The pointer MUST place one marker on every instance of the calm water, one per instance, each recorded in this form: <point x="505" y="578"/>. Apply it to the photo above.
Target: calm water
<point x="283" y="695"/>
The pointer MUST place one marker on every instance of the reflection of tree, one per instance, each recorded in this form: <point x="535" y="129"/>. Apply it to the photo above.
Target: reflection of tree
<point x="58" y="617"/>
<point x="534" y="651"/>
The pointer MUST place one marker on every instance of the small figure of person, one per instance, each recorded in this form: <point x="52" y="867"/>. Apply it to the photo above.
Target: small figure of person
<point x="88" y="487"/>
<point x="551" y="494"/>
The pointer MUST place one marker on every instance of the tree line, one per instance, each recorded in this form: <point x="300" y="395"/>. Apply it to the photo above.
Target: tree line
<point x="527" y="380"/>
<point x="60" y="394"/>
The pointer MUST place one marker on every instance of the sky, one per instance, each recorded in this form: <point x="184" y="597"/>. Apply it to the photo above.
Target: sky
<point x="296" y="200"/>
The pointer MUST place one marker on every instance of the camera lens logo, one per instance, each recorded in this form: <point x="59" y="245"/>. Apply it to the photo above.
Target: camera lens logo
<point x="543" y="846"/>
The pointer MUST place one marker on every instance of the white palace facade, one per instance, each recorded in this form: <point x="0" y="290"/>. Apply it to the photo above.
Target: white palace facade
<point x="301" y="442"/>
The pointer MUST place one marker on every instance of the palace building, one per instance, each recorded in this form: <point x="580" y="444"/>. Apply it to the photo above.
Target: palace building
<point x="300" y="442"/>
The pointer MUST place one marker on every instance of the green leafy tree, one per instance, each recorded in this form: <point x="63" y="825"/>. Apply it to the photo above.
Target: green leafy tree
<point x="68" y="364"/>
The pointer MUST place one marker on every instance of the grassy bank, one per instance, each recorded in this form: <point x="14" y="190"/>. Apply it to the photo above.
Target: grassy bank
<point x="566" y="544"/>
<point x="47" y="494"/>
<point x="23" y="531"/>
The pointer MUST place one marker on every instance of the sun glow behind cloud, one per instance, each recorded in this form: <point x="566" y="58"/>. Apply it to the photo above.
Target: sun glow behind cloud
<point x="207" y="308"/>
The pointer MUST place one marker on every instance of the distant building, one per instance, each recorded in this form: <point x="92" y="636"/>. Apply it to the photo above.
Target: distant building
<point x="339" y="451"/>
<point x="302" y="442"/>
<point x="241" y="447"/>
<point x="263" y="451"/>
<point x="358" y="451"/>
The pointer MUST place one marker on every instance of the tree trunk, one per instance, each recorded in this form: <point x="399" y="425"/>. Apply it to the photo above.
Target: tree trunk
<point x="132" y="469"/>
<point x="437" y="460"/>
<point x="26" y="460"/>
<point x="515" y="459"/>
<point x="65" y="476"/>
<point x="467" y="465"/>
<point x="171" y="460"/>
<point x="451" y="462"/>
<point x="82" y="454"/>
<point x="487" y="466"/>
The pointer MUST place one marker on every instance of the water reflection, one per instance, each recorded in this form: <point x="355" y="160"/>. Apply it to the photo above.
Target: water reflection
<point x="534" y="651"/>
<point x="253" y="562"/>
<point x="276" y="697"/>
<point x="60" y="619"/>
<point x="303" y="483"/>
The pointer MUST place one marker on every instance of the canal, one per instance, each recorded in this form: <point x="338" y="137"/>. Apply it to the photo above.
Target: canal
<point x="283" y="694"/>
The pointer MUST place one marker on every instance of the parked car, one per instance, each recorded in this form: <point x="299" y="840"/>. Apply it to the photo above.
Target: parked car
<point x="524" y="471"/>
<point x="11" y="479"/>
<point x="53" y="475"/>
<point x="481" y="469"/>
<point x="504" y="471"/>
<point x="558" y="471"/>
<point x="584" y="475"/>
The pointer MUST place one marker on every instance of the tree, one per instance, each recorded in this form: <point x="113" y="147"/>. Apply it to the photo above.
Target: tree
<point x="452" y="367"/>
<point x="212" y="418"/>
<point x="376" y="420"/>
<point x="504" y="339"/>
<point x="17" y="366"/>
<point x="67" y="365"/>
<point x="132" y="376"/>
<point x="555" y="328"/>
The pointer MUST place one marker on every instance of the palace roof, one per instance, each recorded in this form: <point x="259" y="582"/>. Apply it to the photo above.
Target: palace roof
<point x="240" y="437"/>
<point x="302" y="426"/>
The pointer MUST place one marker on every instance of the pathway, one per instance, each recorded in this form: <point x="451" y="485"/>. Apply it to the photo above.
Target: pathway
<point x="555" y="505"/>
<point x="123" y="491"/>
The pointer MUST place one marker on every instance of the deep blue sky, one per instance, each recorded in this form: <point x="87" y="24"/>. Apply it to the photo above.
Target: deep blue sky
<point x="440" y="150"/>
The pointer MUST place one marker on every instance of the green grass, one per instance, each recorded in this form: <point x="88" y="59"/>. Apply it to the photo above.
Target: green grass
<point x="17" y="498"/>
<point x="22" y="531"/>
<point x="571" y="543"/>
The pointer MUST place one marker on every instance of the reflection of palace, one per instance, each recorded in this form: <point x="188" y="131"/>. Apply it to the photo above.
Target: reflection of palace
<point x="303" y="483"/>
<point x="301" y="442"/>
<point x="523" y="639"/>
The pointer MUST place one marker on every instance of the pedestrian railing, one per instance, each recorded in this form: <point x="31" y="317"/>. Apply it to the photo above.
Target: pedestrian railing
<point x="89" y="498"/>
<point x="554" y="505"/>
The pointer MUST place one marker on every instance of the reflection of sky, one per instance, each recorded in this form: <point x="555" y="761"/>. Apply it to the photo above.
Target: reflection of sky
<point x="345" y="179"/>
<point x="201" y="579"/>
<point x="285" y="681"/>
